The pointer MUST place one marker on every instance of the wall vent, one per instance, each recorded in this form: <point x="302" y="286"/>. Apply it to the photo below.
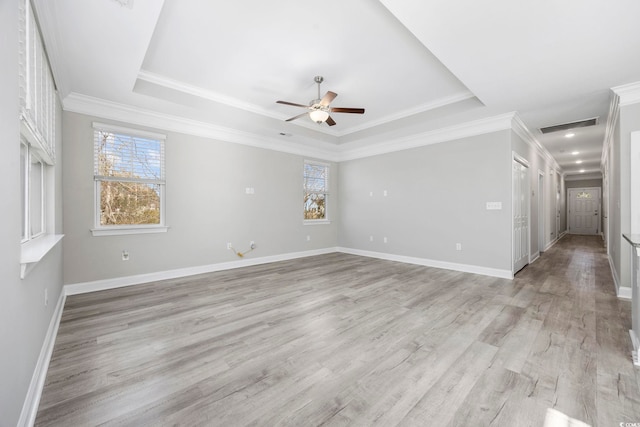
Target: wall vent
<point x="572" y="125"/>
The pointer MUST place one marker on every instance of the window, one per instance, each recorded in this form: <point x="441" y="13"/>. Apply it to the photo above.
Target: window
<point x="129" y="180"/>
<point x="32" y="191"/>
<point x="316" y="190"/>
<point x="38" y="105"/>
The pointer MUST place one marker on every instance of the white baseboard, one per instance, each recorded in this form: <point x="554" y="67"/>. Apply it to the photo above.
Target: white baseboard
<point x="485" y="271"/>
<point x="32" y="400"/>
<point x="553" y="242"/>
<point x="636" y="345"/>
<point x="623" y="292"/>
<point x="119" y="282"/>
<point x="534" y="257"/>
<point x="550" y="245"/>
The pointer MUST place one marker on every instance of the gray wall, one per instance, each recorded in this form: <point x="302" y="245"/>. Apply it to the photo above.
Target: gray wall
<point x="615" y="233"/>
<point x="620" y="192"/>
<point x="583" y="183"/>
<point x="24" y="319"/>
<point x="206" y="207"/>
<point x="436" y="197"/>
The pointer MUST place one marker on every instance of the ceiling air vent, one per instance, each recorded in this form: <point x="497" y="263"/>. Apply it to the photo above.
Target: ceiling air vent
<point x="572" y="125"/>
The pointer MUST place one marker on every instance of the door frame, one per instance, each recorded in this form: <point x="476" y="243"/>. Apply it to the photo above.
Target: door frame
<point x="524" y="162"/>
<point x="570" y="216"/>
<point x="542" y="244"/>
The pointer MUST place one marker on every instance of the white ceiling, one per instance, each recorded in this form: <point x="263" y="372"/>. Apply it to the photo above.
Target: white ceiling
<point x="415" y="66"/>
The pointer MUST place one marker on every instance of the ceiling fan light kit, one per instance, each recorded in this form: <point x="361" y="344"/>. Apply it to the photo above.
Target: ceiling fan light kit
<point x="319" y="116"/>
<point x="319" y="108"/>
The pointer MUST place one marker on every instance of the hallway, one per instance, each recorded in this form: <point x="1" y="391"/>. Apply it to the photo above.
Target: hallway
<point x="588" y="348"/>
<point x="346" y="340"/>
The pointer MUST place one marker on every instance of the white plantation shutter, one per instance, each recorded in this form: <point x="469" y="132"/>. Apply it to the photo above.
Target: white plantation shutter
<point x="37" y="87"/>
<point x="38" y="102"/>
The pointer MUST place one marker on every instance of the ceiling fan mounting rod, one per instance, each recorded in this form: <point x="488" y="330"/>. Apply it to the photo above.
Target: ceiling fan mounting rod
<point x="318" y="79"/>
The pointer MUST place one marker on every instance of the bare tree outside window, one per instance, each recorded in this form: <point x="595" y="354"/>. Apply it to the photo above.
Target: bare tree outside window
<point x="315" y="184"/>
<point x="129" y="174"/>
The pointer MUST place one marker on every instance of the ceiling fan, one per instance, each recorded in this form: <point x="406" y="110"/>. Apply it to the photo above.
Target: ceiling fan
<point x="319" y="108"/>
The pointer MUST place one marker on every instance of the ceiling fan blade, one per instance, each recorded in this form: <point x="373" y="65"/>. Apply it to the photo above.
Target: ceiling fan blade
<point x="327" y="98"/>
<point x="347" y="110"/>
<point x="292" y="103"/>
<point x="296" y="117"/>
<point x="330" y="121"/>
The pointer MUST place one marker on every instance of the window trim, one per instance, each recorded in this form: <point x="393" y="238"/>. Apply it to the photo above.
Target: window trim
<point x="327" y="217"/>
<point x="126" y="229"/>
<point x="27" y="208"/>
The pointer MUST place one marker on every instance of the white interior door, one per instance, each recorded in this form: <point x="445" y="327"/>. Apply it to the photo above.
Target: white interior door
<point x="605" y="205"/>
<point x="584" y="210"/>
<point x="520" y="174"/>
<point x="541" y="212"/>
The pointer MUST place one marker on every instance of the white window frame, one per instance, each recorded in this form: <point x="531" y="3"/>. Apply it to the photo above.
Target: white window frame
<point x="28" y="206"/>
<point x="326" y="219"/>
<point x="111" y="230"/>
<point x="38" y="105"/>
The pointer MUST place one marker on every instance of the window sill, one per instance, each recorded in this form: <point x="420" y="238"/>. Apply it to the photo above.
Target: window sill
<point x="34" y="250"/>
<point x="315" y="222"/>
<point x="119" y="231"/>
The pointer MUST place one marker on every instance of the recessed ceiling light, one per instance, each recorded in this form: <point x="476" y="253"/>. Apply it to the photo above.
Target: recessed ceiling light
<point x="581" y="170"/>
<point x="578" y="162"/>
<point x="575" y="153"/>
<point x="569" y="135"/>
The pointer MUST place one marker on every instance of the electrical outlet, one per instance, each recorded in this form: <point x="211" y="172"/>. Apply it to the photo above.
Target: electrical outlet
<point x="252" y="244"/>
<point x="46" y="297"/>
<point x="125" y="255"/>
<point x="308" y="238"/>
<point x="458" y="246"/>
<point x="229" y="245"/>
<point x="371" y="238"/>
<point x="384" y="239"/>
<point x="384" y="193"/>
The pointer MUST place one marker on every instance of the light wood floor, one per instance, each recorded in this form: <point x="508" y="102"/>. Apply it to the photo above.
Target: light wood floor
<point x="346" y="340"/>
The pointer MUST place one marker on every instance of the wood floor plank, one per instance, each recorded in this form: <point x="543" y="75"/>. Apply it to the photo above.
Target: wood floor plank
<point x="340" y="340"/>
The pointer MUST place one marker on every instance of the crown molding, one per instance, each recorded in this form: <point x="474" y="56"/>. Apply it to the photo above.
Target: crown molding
<point x="179" y="86"/>
<point x="629" y="94"/>
<point x="159" y="80"/>
<point x="450" y="133"/>
<point x="123" y="113"/>
<point x="439" y="103"/>
<point x="523" y="132"/>
<point x="101" y="108"/>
